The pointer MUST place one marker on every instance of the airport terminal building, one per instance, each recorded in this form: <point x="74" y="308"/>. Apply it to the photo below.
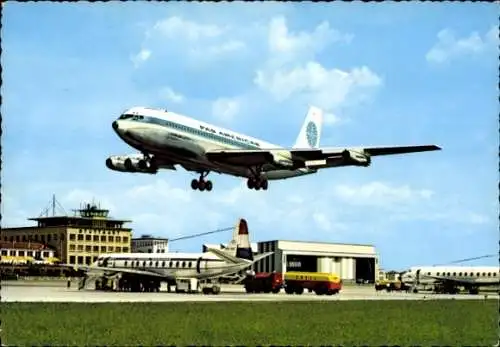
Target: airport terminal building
<point x="352" y="262"/>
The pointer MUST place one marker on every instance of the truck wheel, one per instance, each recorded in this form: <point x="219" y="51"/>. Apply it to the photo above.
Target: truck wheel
<point x="276" y="290"/>
<point x="299" y="290"/>
<point x="215" y="290"/>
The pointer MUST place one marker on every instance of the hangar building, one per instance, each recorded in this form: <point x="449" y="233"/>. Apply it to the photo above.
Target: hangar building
<point x="352" y="262"/>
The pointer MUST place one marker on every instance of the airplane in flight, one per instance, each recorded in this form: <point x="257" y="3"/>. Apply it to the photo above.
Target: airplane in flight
<point x="447" y="279"/>
<point x="143" y="270"/>
<point x="166" y="139"/>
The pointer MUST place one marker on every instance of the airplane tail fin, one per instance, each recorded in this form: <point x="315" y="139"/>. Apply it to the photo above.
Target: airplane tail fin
<point x="243" y="246"/>
<point x="310" y="133"/>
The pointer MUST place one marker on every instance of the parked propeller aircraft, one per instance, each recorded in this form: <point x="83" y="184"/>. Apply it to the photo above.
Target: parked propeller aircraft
<point x="138" y="271"/>
<point x="447" y="279"/>
<point x="166" y="139"/>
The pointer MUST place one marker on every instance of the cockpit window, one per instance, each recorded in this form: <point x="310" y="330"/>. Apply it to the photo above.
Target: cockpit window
<point x="131" y="116"/>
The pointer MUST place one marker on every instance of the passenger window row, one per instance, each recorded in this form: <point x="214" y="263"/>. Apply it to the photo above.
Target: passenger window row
<point x="158" y="264"/>
<point x="197" y="132"/>
<point x="464" y="274"/>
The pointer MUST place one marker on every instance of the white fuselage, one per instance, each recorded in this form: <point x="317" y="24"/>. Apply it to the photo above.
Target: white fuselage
<point x="477" y="275"/>
<point x="171" y="265"/>
<point x="174" y="138"/>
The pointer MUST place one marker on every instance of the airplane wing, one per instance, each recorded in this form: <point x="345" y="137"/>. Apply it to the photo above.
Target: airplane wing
<point x="261" y="256"/>
<point x="465" y="281"/>
<point x="311" y="158"/>
<point x="103" y="269"/>
<point x="227" y="257"/>
<point x="236" y="260"/>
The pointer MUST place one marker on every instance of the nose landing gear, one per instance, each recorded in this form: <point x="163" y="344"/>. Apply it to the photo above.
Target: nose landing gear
<point x="201" y="184"/>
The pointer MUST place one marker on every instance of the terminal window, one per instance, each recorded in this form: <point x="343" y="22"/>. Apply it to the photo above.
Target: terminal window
<point x="80" y="237"/>
<point x="72" y="237"/>
<point x="103" y="238"/>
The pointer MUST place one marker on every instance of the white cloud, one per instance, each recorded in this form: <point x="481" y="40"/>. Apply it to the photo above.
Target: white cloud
<point x="286" y="45"/>
<point x="380" y="194"/>
<point x="141" y="57"/>
<point x="179" y="28"/>
<point x="225" y="108"/>
<point x="169" y="94"/>
<point x="323" y="87"/>
<point x="330" y="119"/>
<point x="198" y="42"/>
<point x="292" y="72"/>
<point x="449" y="47"/>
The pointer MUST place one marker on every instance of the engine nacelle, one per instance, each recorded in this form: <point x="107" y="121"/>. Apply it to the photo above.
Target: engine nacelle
<point x="130" y="164"/>
<point x="356" y="158"/>
<point x="283" y="158"/>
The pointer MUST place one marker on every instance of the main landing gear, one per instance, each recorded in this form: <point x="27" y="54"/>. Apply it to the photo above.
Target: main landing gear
<point x="257" y="182"/>
<point x="201" y="184"/>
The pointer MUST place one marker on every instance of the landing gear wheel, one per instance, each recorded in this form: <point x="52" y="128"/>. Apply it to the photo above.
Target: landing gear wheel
<point x="194" y="184"/>
<point x="257" y="184"/>
<point x="201" y="185"/>
<point x="208" y="185"/>
<point x="250" y="183"/>
<point x="264" y="184"/>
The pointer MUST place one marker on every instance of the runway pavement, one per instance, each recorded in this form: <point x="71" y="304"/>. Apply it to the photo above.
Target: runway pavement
<point x="40" y="292"/>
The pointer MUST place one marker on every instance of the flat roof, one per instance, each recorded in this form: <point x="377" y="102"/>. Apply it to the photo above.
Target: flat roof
<point x="149" y="239"/>
<point x="79" y="218"/>
<point x="322" y="242"/>
<point x="72" y="226"/>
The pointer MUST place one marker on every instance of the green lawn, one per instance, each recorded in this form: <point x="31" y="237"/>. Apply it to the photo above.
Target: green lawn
<point x="442" y="322"/>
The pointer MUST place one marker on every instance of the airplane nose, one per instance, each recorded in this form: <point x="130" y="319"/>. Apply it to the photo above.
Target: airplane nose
<point x="115" y="125"/>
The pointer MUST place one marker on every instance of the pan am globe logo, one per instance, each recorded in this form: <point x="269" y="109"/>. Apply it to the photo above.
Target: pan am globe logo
<point x="312" y="134"/>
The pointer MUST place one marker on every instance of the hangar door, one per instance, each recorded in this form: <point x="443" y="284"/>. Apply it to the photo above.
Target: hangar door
<point x="304" y="263"/>
<point x="365" y="270"/>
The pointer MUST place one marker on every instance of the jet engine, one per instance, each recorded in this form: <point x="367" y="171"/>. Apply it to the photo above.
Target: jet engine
<point x="130" y="164"/>
<point x="356" y="158"/>
<point x="283" y="159"/>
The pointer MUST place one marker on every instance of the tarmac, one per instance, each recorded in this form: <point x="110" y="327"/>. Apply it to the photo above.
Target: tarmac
<point x="56" y="291"/>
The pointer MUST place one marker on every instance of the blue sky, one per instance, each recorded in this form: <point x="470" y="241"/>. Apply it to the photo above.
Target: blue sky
<point x="385" y="74"/>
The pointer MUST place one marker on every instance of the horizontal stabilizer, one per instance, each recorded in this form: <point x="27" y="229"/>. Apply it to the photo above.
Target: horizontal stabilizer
<point x="227" y="257"/>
